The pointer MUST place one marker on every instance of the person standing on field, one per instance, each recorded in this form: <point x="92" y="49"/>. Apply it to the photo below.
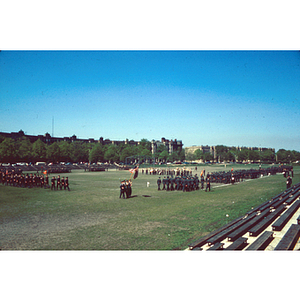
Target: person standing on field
<point x="62" y="183"/>
<point x="207" y="184"/>
<point x="58" y="182"/>
<point x="288" y="182"/>
<point x="53" y="183"/>
<point x="67" y="183"/>
<point x="122" y="189"/>
<point x="158" y="183"/>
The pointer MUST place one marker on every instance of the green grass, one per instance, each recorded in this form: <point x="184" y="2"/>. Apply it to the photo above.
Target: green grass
<point x="91" y="216"/>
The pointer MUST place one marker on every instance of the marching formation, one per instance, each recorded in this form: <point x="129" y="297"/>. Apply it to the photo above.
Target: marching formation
<point x="18" y="179"/>
<point x="183" y="183"/>
<point x="61" y="183"/>
<point x="168" y="171"/>
<point x="181" y="179"/>
<point x="178" y="183"/>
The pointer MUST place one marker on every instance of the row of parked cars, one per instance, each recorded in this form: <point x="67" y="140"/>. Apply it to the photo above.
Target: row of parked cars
<point x="29" y="164"/>
<point x="41" y="163"/>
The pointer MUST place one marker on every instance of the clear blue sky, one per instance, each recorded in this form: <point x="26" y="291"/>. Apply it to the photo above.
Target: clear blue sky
<point x="233" y="98"/>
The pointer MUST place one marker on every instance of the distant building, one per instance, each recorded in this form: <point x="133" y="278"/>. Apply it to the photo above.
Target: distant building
<point x="48" y="139"/>
<point x="169" y="144"/>
<point x="213" y="152"/>
<point x="204" y="149"/>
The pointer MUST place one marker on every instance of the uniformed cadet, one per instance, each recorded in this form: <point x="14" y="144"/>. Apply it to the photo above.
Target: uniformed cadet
<point x="34" y="180"/>
<point x="58" y="182"/>
<point x="202" y="182"/>
<point x="176" y="183"/>
<point x="197" y="182"/>
<point x="207" y="183"/>
<point x="158" y="183"/>
<point x="164" y="183"/>
<point x="53" y="183"/>
<point x="67" y="186"/>
<point x="129" y="188"/>
<point x="172" y="181"/>
<point x="30" y="181"/>
<point x="42" y="181"/>
<point x="122" y="189"/>
<point x="46" y="184"/>
<point x="232" y="179"/>
<point x="62" y="183"/>
<point x="168" y="183"/>
<point x="184" y="184"/>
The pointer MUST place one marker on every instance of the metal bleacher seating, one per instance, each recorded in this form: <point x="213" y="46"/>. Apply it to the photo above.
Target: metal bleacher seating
<point x="270" y="226"/>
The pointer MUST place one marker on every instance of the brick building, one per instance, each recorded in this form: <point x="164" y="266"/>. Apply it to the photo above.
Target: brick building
<point x="48" y="139"/>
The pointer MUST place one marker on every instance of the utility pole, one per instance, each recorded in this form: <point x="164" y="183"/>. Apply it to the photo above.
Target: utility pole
<point x="52" y="126"/>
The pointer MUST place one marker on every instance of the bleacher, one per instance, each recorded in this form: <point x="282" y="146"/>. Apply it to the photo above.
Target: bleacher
<point x="273" y="225"/>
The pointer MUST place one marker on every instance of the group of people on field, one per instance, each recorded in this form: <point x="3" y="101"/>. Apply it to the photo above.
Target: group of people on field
<point x="183" y="183"/>
<point x="125" y="189"/>
<point x="30" y="180"/>
<point x="61" y="183"/>
<point x="168" y="171"/>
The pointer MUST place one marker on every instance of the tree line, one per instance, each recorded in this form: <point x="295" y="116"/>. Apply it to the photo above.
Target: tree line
<point x="22" y="150"/>
<point x="233" y="154"/>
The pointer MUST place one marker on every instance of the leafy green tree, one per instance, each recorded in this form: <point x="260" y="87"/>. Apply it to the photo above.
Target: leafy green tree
<point x="146" y="152"/>
<point x="111" y="154"/>
<point x="267" y="156"/>
<point x="296" y="155"/>
<point x="127" y="151"/>
<point x="164" y="155"/>
<point x="290" y="156"/>
<point x="199" y="154"/>
<point x="190" y="156"/>
<point x="282" y="155"/>
<point x="80" y="152"/>
<point x="65" y="151"/>
<point x="53" y="153"/>
<point x="221" y="152"/>
<point x="181" y="154"/>
<point x="145" y="144"/>
<point x="39" y="151"/>
<point x="230" y="156"/>
<point x="253" y="155"/>
<point x="208" y="156"/>
<point x="8" y="151"/>
<point x="24" y="150"/>
<point x="174" y="156"/>
<point x="161" y="148"/>
<point x="97" y="153"/>
<point x="242" y="155"/>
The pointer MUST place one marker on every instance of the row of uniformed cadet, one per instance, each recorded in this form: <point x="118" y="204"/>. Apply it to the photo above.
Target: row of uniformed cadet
<point x="10" y="178"/>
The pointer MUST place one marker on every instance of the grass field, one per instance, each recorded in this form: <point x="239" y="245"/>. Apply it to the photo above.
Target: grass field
<point x="93" y="217"/>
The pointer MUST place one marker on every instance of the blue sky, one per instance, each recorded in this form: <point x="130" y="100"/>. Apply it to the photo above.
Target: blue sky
<point x="233" y="98"/>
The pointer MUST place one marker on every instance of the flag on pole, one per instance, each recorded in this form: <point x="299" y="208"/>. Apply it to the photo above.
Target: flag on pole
<point x="135" y="171"/>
